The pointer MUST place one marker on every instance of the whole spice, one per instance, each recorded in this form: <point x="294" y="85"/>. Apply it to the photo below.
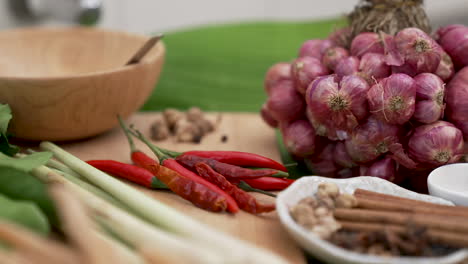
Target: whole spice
<point x="245" y="201"/>
<point x="129" y="172"/>
<point x="227" y="170"/>
<point x="159" y="129"/>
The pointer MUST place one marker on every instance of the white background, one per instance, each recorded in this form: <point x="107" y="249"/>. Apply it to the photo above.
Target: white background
<point x="150" y="16"/>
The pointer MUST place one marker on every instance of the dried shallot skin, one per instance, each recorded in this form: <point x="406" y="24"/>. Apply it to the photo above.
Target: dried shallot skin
<point x="392" y="99"/>
<point x="304" y="70"/>
<point x="454" y="40"/>
<point x="371" y="139"/>
<point x="436" y="144"/>
<point x="456" y="99"/>
<point x="446" y="69"/>
<point x="337" y="105"/>
<point x="430" y="94"/>
<point x="366" y="42"/>
<point x="412" y="51"/>
<point x="373" y="67"/>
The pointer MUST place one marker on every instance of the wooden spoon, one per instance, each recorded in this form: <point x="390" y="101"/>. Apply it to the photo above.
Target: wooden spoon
<point x="136" y="58"/>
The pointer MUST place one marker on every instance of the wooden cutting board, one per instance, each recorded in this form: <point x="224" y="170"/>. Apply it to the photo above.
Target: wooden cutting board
<point x="244" y="132"/>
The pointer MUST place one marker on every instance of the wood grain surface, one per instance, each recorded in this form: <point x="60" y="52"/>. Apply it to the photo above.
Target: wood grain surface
<point x="245" y="132"/>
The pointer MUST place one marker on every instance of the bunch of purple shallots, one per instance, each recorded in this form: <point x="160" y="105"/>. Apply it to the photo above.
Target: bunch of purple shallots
<point x="390" y="106"/>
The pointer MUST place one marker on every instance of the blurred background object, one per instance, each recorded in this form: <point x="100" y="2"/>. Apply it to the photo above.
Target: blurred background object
<point x="147" y="16"/>
<point x="68" y="12"/>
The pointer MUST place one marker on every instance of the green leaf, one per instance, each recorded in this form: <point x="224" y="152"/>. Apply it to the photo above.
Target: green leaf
<point x="5" y="117"/>
<point x="19" y="185"/>
<point x="221" y="68"/>
<point x="6" y="147"/>
<point x="296" y="169"/>
<point x="27" y="163"/>
<point x="24" y="213"/>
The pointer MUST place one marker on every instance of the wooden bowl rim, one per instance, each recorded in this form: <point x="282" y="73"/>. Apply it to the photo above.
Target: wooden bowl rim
<point x="159" y="47"/>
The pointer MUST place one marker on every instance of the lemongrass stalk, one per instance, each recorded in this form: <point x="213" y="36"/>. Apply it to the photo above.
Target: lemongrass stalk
<point x="91" y="188"/>
<point x="235" y="250"/>
<point x="121" y="250"/>
<point x="52" y="163"/>
<point x="132" y="229"/>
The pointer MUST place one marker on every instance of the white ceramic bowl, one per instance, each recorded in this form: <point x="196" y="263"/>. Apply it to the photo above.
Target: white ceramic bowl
<point x="328" y="252"/>
<point x="450" y="182"/>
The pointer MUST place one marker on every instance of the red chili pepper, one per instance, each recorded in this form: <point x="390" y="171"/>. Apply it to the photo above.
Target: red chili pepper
<point x="141" y="159"/>
<point x="246" y="201"/>
<point x="129" y="172"/>
<point x="269" y="183"/>
<point x="239" y="158"/>
<point x="191" y="190"/>
<point x="227" y="170"/>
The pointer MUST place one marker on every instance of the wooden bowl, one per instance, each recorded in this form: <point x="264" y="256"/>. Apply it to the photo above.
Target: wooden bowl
<point x="71" y="83"/>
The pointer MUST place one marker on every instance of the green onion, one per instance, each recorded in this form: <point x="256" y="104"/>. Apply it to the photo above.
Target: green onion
<point x="235" y="250"/>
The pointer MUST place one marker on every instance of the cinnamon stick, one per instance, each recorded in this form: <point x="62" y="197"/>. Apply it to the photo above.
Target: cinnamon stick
<point x="435" y="236"/>
<point x="452" y="223"/>
<point x="389" y="205"/>
<point x="361" y="193"/>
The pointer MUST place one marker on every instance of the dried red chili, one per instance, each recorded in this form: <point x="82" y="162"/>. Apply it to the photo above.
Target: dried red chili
<point x="268" y="183"/>
<point x="193" y="191"/>
<point x="227" y="170"/>
<point x="239" y="158"/>
<point x="141" y="159"/>
<point x="129" y="172"/>
<point x="246" y="202"/>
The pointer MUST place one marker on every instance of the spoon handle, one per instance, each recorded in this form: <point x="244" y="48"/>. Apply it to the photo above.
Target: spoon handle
<point x="144" y="49"/>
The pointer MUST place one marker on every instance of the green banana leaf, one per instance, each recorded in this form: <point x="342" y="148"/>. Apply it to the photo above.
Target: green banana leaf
<point x="221" y="68"/>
